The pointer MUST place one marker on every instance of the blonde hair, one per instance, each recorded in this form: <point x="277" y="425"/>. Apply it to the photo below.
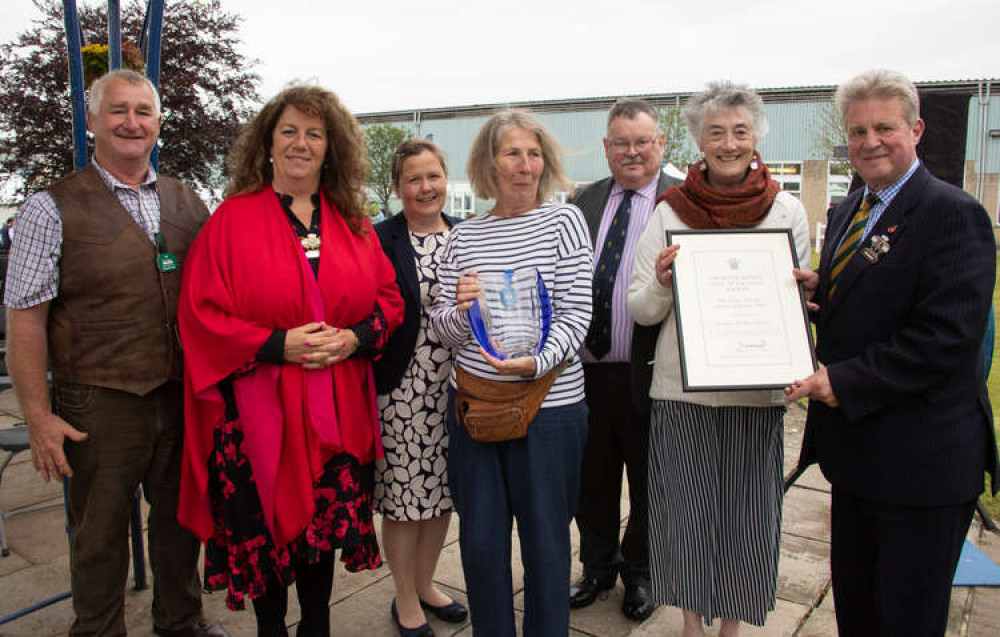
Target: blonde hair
<point x="879" y="83"/>
<point x="481" y="167"/>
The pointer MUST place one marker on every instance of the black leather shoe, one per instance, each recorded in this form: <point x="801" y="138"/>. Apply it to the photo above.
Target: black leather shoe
<point x="638" y="604"/>
<point x="202" y="628"/>
<point x="453" y="612"/>
<point x="585" y="590"/>
<point x="423" y="630"/>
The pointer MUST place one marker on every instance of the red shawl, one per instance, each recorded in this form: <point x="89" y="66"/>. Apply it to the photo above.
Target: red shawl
<point x="701" y="207"/>
<point x="245" y="276"/>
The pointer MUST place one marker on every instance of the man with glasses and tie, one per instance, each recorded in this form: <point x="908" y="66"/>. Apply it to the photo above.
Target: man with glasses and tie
<point x="617" y="367"/>
<point x="899" y="419"/>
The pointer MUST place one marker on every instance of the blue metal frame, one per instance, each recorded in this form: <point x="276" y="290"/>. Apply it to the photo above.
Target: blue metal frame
<point x="114" y="35"/>
<point x="152" y="32"/>
<point x="74" y="42"/>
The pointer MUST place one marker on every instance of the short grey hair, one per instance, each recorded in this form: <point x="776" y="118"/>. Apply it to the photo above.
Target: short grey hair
<point x="630" y="107"/>
<point x="132" y="77"/>
<point x="481" y="165"/>
<point x="724" y="95"/>
<point x="880" y="84"/>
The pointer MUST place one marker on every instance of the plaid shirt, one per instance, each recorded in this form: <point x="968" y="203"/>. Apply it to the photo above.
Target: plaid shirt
<point x="33" y="264"/>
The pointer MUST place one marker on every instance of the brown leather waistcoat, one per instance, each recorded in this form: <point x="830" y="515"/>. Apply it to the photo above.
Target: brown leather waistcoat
<point x="114" y="321"/>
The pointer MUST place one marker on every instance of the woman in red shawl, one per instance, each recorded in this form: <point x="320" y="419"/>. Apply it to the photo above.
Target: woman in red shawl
<point x="287" y="297"/>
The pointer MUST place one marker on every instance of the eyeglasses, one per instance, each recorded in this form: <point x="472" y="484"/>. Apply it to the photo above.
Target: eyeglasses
<point x="623" y="145"/>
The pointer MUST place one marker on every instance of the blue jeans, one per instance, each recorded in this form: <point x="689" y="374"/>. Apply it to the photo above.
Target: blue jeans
<point x="535" y="480"/>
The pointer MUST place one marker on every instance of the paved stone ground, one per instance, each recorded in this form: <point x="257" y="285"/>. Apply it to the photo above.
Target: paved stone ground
<point x="37" y="569"/>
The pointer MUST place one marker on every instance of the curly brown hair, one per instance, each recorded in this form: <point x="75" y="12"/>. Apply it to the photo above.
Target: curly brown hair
<point x="342" y="179"/>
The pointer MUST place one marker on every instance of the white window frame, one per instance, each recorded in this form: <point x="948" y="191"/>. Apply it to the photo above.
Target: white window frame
<point x="776" y="168"/>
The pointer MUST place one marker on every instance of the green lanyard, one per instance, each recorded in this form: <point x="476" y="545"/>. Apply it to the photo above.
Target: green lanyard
<point x="166" y="261"/>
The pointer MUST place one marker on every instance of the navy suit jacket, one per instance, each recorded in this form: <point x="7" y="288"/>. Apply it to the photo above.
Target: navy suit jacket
<point x="902" y="342"/>
<point x="591" y="201"/>
<point x="393" y="234"/>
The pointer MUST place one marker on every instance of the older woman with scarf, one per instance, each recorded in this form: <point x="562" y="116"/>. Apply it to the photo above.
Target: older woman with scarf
<point x="287" y="297"/>
<point x="715" y="458"/>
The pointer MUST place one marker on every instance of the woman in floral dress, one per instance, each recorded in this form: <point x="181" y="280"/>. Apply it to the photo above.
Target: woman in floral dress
<point x="411" y="487"/>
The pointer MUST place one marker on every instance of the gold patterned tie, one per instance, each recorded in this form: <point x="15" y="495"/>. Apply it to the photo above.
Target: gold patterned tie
<point x="855" y="233"/>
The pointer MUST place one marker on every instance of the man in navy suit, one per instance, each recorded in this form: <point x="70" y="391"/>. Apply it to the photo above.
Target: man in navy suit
<point x="899" y="419"/>
<point x="618" y="431"/>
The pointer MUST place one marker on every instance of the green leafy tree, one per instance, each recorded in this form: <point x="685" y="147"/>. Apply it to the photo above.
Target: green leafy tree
<point x="208" y="88"/>
<point x="678" y="149"/>
<point x="829" y="139"/>
<point x="382" y="141"/>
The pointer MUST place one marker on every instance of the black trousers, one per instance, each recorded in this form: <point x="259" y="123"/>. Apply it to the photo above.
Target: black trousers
<point x="893" y="565"/>
<point x="314" y="584"/>
<point x="617" y="438"/>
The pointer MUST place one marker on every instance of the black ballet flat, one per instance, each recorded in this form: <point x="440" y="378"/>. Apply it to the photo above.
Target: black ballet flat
<point x="424" y="630"/>
<point x="453" y="612"/>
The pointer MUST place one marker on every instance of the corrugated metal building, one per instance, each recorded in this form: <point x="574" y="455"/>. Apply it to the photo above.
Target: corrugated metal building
<point x="797" y="159"/>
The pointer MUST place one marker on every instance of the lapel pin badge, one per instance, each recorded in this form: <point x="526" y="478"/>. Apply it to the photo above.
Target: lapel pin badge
<point x="879" y="245"/>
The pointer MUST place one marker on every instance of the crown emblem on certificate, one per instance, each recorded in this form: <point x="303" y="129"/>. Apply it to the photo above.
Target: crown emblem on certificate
<point x="878" y="245"/>
<point x="310" y="243"/>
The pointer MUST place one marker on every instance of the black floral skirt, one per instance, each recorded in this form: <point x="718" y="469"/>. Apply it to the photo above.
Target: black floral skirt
<point x="241" y="556"/>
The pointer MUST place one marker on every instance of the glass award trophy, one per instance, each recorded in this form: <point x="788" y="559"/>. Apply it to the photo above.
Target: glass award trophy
<point x="512" y="316"/>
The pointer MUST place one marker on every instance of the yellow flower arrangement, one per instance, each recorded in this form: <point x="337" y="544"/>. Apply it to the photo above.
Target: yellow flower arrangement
<point x="95" y="60"/>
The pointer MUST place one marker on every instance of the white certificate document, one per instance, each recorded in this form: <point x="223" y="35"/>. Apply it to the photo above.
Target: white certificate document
<point x="741" y="315"/>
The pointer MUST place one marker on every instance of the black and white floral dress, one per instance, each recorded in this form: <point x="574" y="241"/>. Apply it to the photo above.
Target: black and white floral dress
<point x="412" y="482"/>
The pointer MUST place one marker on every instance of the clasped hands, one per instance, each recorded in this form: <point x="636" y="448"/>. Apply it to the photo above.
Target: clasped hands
<point x="467" y="290"/>
<point x="318" y="345"/>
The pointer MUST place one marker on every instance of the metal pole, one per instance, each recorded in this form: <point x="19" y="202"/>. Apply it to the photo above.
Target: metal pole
<point x="73" y="45"/>
<point x="154" y="20"/>
<point x="114" y="35"/>
<point x="984" y="106"/>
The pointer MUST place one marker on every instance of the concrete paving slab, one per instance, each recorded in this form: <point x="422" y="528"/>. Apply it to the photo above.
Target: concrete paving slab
<point x="813" y="479"/>
<point x="669" y="622"/>
<point x="821" y="623"/>
<point x="22" y="485"/>
<point x="604" y="617"/>
<point x="31" y="536"/>
<point x="12" y="563"/>
<point x="807" y="513"/>
<point x="803" y="569"/>
<point x="984" y="619"/>
<point x="827" y="603"/>
<point x="33" y="585"/>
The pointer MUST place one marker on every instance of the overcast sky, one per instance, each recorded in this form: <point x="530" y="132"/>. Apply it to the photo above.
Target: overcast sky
<point x="390" y="54"/>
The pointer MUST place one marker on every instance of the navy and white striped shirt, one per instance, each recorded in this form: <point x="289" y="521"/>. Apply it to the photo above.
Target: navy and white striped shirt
<point x="552" y="238"/>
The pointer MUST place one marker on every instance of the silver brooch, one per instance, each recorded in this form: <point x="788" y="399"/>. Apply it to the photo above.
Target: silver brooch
<point x="879" y="245"/>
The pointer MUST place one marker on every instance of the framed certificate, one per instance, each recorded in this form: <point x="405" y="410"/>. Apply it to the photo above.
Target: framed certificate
<point x="741" y="315"/>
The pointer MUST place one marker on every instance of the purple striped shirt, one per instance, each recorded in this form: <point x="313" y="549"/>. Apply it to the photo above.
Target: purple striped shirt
<point x="643" y="203"/>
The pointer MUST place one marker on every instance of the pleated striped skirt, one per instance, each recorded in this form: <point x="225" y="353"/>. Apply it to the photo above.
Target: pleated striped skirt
<point x="715" y="492"/>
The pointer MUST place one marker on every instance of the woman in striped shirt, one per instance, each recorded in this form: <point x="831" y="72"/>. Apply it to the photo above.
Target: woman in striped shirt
<point x="535" y="479"/>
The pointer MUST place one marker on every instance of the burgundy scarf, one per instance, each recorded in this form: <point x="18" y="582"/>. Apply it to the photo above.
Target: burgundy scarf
<point x="701" y="207"/>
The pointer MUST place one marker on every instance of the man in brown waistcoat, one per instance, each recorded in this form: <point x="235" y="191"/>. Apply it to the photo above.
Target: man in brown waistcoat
<point x="92" y="287"/>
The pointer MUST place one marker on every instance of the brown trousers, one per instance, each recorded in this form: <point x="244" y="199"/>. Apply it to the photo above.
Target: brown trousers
<point x="132" y="440"/>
